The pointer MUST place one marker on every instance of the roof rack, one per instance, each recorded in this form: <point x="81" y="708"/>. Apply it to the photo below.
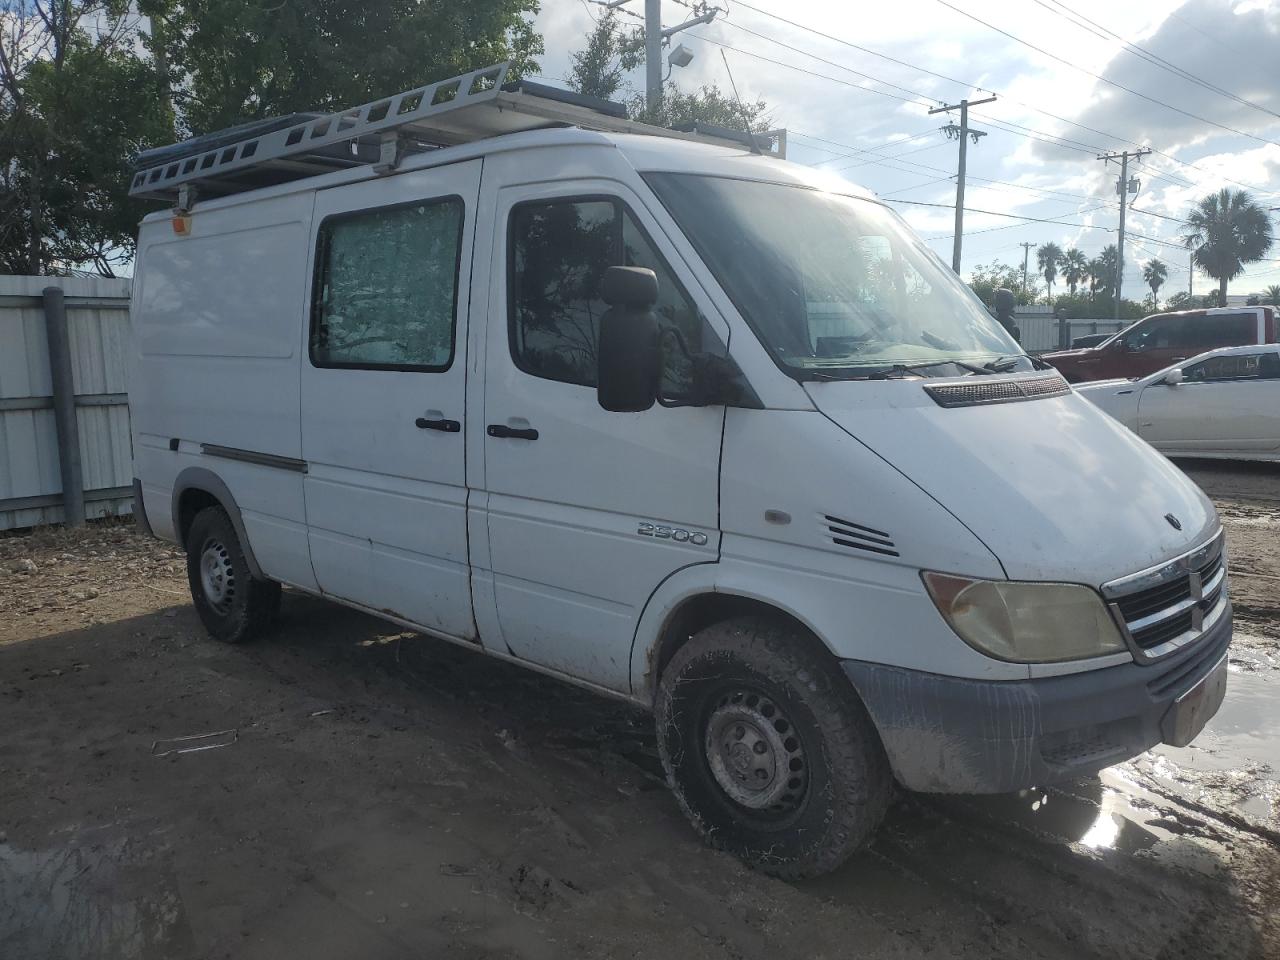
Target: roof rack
<point x="462" y="109"/>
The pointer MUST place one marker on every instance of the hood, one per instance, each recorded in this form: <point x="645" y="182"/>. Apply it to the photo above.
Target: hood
<point x="1093" y="386"/>
<point x="1054" y="487"/>
<point x="1080" y="353"/>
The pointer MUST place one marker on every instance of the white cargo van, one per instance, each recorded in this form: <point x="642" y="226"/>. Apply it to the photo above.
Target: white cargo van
<point x="667" y="416"/>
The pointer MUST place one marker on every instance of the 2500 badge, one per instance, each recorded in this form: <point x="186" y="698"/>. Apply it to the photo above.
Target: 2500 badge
<point x="659" y="532"/>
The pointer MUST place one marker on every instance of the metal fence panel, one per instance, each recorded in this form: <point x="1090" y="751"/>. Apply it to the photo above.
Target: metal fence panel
<point x="98" y="329"/>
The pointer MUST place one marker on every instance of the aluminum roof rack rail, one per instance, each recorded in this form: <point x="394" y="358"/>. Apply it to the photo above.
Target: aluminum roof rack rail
<point x="469" y="107"/>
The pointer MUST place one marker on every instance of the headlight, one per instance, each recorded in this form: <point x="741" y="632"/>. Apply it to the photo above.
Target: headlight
<point x="1026" y="622"/>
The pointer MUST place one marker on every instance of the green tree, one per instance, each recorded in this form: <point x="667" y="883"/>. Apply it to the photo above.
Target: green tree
<point x="240" y="60"/>
<point x="76" y="99"/>
<point x="1049" y="258"/>
<point x="600" y="69"/>
<point x="706" y="105"/>
<point x="1227" y="230"/>
<point x="1155" y="272"/>
<point x="1075" y="267"/>
<point x="1272" y="295"/>
<point x="987" y="278"/>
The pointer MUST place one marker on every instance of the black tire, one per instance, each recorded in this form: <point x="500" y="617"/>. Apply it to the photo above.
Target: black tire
<point x="838" y="782"/>
<point x="237" y="607"/>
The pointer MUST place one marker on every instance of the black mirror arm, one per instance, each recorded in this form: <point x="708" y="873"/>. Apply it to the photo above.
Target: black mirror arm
<point x="716" y="379"/>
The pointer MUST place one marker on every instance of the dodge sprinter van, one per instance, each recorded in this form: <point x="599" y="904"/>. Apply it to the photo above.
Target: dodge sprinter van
<point x="664" y="415"/>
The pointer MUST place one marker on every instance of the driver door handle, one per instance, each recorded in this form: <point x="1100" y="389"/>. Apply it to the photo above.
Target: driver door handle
<point x="501" y="430"/>
<point x="443" y="425"/>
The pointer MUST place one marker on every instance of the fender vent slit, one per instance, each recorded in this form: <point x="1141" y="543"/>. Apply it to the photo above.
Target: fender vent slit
<point x="846" y="533"/>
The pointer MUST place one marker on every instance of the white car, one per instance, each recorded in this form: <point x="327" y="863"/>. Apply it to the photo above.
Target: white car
<point x="1224" y="404"/>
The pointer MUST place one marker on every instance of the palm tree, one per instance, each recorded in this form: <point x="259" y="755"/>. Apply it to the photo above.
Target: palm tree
<point x="1227" y="230"/>
<point x="1097" y="269"/>
<point x="1272" y="295"/>
<point x="1108" y="260"/>
<point x="1155" y="273"/>
<point x="1048" y="256"/>
<point x="1075" y="267"/>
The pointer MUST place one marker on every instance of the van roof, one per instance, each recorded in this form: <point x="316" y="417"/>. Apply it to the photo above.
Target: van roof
<point x="644" y="153"/>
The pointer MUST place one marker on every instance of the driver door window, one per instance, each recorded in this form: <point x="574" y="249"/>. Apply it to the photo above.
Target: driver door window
<point x="560" y="250"/>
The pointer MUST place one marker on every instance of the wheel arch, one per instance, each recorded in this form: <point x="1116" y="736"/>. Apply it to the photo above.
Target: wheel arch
<point x="689" y="602"/>
<point x="197" y="488"/>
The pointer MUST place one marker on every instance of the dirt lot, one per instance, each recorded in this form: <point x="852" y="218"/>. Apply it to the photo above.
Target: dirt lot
<point x="389" y="797"/>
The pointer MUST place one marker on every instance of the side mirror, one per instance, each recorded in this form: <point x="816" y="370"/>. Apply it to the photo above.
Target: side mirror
<point x="1173" y="377"/>
<point x="629" y="353"/>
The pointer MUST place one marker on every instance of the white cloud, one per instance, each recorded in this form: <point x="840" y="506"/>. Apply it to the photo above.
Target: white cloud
<point x="1228" y="43"/>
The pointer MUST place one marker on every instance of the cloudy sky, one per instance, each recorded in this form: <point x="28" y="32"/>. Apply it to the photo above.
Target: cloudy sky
<point x="1197" y="82"/>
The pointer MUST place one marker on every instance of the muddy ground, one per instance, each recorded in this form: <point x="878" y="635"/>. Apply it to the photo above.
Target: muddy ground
<point x="384" y="796"/>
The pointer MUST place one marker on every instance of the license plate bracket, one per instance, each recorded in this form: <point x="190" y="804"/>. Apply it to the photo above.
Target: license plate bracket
<point x="1191" y="711"/>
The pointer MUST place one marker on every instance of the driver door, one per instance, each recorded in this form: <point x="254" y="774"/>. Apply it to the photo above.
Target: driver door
<point x="588" y="511"/>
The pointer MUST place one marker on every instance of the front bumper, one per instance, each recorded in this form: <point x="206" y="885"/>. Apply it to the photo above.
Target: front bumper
<point x="951" y="735"/>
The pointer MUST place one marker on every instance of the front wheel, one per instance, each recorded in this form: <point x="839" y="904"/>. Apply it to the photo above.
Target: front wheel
<point x="769" y="751"/>
<point x="233" y="605"/>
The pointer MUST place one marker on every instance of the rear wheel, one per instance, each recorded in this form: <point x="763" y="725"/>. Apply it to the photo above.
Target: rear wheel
<point x="233" y="605"/>
<point x="768" y="749"/>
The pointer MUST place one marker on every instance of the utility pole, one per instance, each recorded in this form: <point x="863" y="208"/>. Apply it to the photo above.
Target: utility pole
<point x="653" y="54"/>
<point x="655" y="36"/>
<point x="1124" y="187"/>
<point x="1026" y="253"/>
<point x="961" y="133"/>
<point x="1191" y="275"/>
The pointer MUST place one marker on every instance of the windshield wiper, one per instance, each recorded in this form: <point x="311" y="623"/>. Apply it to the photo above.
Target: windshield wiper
<point x="902" y="369"/>
<point x="1001" y="364"/>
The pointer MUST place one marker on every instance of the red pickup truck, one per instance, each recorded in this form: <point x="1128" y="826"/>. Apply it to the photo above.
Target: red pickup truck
<point x="1157" y="341"/>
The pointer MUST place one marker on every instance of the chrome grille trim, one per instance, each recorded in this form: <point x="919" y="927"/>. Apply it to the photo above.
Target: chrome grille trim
<point x="1189" y="600"/>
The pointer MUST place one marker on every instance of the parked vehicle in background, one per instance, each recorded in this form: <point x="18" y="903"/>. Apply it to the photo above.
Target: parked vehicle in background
<point x="1090" y="340"/>
<point x="1157" y="341"/>
<point x="1223" y="404"/>
<point x="686" y="424"/>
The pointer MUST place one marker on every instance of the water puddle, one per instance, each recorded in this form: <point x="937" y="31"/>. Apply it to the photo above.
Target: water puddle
<point x="1236" y="759"/>
<point x="88" y="901"/>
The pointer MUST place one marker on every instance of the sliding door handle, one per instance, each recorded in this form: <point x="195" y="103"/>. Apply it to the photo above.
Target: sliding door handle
<point x="501" y="430"/>
<point x="445" y="426"/>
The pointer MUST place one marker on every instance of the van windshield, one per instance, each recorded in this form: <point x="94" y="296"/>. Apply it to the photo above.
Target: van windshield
<point x="834" y="286"/>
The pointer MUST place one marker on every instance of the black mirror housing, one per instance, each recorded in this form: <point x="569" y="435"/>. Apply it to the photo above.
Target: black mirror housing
<point x="629" y="351"/>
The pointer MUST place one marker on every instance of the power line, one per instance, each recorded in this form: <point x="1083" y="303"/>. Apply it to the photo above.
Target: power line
<point x="1040" y="110"/>
<point x="831" y="63"/>
<point x="1099" y="77"/>
<point x="1011" y="216"/>
<point x="916" y="186"/>
<point x="1098" y="30"/>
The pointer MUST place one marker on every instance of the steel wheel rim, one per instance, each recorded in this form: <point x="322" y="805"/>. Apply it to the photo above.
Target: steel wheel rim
<point x="217" y="575"/>
<point x="755" y="754"/>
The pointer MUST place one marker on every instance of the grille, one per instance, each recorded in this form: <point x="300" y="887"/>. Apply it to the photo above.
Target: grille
<point x="846" y="533"/>
<point x="998" y="391"/>
<point x="1177" y="605"/>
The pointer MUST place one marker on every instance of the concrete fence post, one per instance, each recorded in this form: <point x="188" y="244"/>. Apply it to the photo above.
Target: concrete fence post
<point x="64" y="406"/>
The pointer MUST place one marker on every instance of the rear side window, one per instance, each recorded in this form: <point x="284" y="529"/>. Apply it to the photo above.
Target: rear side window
<point x="387" y="287"/>
<point x="1219" y="330"/>
<point x="558" y="253"/>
